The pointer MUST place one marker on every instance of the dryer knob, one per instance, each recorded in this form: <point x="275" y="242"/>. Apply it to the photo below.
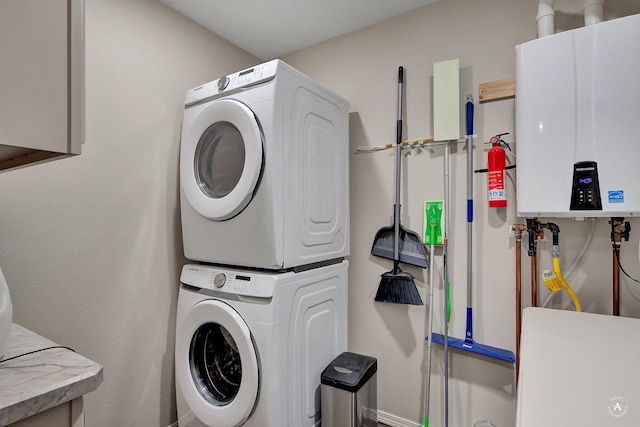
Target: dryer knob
<point x="219" y="280"/>
<point x="223" y="82"/>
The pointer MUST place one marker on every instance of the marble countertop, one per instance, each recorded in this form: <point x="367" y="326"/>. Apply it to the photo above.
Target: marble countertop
<point x="36" y="382"/>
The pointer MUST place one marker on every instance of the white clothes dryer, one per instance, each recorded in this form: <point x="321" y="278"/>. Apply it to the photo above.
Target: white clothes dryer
<point x="264" y="170"/>
<point x="251" y="346"/>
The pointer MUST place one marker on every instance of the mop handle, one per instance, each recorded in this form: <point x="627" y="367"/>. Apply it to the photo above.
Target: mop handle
<point x="469" y="116"/>
<point x="469" y="158"/>
<point x="445" y="283"/>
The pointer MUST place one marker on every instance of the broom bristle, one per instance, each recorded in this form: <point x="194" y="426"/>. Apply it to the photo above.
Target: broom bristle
<point x="398" y="287"/>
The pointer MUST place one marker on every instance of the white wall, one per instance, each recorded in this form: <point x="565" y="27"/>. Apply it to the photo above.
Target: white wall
<point x="91" y="246"/>
<point x="362" y="67"/>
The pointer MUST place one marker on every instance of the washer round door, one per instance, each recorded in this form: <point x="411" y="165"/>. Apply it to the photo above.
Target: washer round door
<point x="217" y="365"/>
<point x="221" y="159"/>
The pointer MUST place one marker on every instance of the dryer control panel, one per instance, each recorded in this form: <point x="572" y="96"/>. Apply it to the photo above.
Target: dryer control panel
<point x="228" y="281"/>
<point x="232" y="83"/>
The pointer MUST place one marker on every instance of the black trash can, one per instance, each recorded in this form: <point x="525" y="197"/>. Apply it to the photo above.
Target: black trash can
<point x="349" y="396"/>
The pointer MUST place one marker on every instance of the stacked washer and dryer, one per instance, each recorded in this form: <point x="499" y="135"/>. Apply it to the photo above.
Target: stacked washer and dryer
<point x="264" y="195"/>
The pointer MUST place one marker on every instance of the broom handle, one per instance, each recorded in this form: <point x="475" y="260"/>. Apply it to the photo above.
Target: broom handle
<point x="469" y="115"/>
<point x="445" y="282"/>
<point x="396" y="206"/>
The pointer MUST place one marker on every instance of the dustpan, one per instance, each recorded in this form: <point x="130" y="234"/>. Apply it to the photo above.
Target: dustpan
<point x="397" y="286"/>
<point x="411" y="250"/>
<point x="396" y="242"/>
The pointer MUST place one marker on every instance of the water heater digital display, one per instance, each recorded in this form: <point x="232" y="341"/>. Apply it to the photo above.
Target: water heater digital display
<point x="577" y="109"/>
<point x="585" y="193"/>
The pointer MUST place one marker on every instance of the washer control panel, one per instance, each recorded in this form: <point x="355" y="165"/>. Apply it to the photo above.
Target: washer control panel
<point x="229" y="281"/>
<point x="232" y="83"/>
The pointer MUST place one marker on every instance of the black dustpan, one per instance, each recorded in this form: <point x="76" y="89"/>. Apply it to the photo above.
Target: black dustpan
<point x="397" y="286"/>
<point x="410" y="249"/>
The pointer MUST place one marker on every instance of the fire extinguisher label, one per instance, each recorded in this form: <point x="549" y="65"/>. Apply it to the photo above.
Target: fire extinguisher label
<point x="497" y="192"/>
<point x="497" y="195"/>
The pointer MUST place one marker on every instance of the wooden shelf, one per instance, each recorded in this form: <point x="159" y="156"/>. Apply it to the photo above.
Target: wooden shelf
<point x="497" y="90"/>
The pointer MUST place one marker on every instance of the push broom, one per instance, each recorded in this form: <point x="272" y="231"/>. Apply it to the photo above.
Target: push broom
<point x="467" y="343"/>
<point x="397" y="286"/>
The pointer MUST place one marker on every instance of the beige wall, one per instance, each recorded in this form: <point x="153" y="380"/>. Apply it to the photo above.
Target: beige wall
<point x="362" y="67"/>
<point x="91" y="246"/>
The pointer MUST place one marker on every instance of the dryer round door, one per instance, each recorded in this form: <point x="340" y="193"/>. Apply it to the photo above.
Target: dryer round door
<point x="221" y="160"/>
<point x="217" y="365"/>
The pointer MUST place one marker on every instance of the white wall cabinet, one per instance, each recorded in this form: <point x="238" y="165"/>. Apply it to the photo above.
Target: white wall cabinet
<point x="41" y="80"/>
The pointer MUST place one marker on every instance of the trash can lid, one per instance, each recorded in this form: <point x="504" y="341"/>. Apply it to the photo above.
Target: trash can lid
<point x="349" y="371"/>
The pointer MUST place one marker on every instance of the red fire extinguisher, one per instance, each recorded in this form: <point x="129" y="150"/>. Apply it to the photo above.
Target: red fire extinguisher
<point x="496" y="168"/>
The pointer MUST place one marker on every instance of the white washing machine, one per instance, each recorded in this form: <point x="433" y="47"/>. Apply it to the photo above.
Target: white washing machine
<point x="251" y="346"/>
<point x="264" y="170"/>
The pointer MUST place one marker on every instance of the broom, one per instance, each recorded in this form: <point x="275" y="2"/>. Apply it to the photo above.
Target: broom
<point x="397" y="286"/>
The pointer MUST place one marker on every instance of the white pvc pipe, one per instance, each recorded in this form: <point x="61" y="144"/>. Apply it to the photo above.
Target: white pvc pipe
<point x="593" y="14"/>
<point x="593" y="11"/>
<point x="583" y="249"/>
<point x="545" y="18"/>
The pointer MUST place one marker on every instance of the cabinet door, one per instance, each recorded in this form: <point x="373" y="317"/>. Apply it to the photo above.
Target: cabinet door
<point x="41" y="80"/>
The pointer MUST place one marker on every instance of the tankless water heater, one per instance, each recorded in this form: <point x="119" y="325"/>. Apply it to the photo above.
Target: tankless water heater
<point x="578" y="122"/>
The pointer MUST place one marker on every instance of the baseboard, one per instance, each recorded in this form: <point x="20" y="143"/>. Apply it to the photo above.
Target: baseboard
<point x="383" y="417"/>
<point x="393" y="421"/>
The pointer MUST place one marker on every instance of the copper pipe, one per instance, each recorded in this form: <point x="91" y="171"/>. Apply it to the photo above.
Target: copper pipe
<point x="518" y="298"/>
<point x="618" y="231"/>
<point x="534" y="280"/>
<point x="533" y="229"/>
<point x="518" y="229"/>
<point x="616" y="280"/>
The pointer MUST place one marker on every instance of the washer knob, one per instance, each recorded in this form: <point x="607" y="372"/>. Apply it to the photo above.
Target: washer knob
<point x="219" y="280"/>
<point x="223" y="82"/>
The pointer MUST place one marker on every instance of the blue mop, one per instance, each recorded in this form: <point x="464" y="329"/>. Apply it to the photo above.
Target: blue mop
<point x="468" y="344"/>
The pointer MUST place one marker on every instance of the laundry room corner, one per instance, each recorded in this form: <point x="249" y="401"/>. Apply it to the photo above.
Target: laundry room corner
<point x="393" y="333"/>
<point x="361" y="66"/>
